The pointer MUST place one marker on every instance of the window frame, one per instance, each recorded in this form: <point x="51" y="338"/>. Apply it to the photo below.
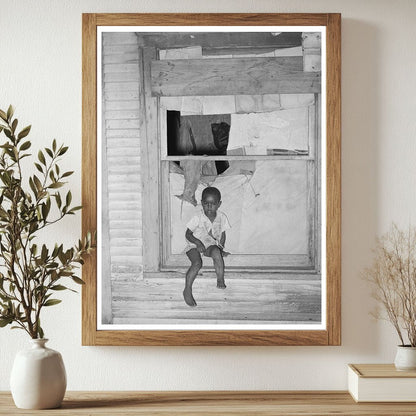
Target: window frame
<point x="308" y="263"/>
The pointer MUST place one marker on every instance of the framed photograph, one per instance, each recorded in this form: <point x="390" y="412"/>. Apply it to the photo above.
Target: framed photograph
<point x="211" y="172"/>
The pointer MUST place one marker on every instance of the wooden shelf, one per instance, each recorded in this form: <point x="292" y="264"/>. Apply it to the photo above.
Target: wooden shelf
<point x="181" y="403"/>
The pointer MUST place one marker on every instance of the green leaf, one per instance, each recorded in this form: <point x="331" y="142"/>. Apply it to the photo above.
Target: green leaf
<point x="68" y="198"/>
<point x="67" y="174"/>
<point x="59" y="287"/>
<point x="63" y="150"/>
<point x="8" y="133"/>
<point x="44" y="253"/>
<point x="62" y="257"/>
<point x="54" y="145"/>
<point x="58" y="199"/>
<point x="49" y="152"/>
<point x="41" y="157"/>
<point x="56" y="185"/>
<point x="3" y="115"/>
<point x="25" y="146"/>
<point x="51" y="302"/>
<point x="40" y="332"/>
<point x="24" y="132"/>
<point x="55" y="251"/>
<point x="33" y="187"/>
<point x="72" y="210"/>
<point x="5" y="321"/>
<point x="37" y="182"/>
<point x="39" y="167"/>
<point x="4" y="298"/>
<point x="76" y="279"/>
<point x="54" y="276"/>
<point x="10" y="112"/>
<point x="14" y="125"/>
<point x="45" y="211"/>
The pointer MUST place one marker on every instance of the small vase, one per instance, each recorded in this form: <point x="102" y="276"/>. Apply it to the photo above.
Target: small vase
<point x="38" y="377"/>
<point x="405" y="358"/>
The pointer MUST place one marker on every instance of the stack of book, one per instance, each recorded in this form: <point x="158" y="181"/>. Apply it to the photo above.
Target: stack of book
<point x="381" y="383"/>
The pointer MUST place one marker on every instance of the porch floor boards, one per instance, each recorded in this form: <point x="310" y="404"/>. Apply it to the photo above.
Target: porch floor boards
<point x="159" y="300"/>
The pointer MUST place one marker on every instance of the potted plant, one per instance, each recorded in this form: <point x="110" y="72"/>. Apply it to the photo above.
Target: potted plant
<point x="393" y="277"/>
<point x="31" y="273"/>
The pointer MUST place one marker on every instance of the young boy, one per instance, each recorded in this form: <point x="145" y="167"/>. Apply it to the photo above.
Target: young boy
<point x="205" y="235"/>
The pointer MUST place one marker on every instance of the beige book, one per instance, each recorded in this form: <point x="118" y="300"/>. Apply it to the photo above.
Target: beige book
<point x="381" y="383"/>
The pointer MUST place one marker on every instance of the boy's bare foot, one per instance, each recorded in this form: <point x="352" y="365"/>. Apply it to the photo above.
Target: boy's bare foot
<point x="221" y="284"/>
<point x="189" y="299"/>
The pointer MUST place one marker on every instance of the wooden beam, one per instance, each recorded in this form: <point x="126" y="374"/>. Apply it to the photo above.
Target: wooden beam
<point x="235" y="51"/>
<point x="149" y="162"/>
<point x="167" y="40"/>
<point x="283" y="75"/>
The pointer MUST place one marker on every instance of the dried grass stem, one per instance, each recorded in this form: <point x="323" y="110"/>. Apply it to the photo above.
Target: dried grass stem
<point x="393" y="277"/>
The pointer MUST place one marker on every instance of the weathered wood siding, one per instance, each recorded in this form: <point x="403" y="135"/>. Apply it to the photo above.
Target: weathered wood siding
<point x="121" y="154"/>
<point x="283" y="75"/>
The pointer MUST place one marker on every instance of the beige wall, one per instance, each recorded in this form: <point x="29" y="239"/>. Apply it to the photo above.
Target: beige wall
<point x="40" y="73"/>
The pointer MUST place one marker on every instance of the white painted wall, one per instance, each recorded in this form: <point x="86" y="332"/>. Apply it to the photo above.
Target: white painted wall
<point x="40" y="73"/>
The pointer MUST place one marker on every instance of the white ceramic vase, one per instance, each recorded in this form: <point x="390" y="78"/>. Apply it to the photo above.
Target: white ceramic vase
<point x="38" y="377"/>
<point x="405" y="358"/>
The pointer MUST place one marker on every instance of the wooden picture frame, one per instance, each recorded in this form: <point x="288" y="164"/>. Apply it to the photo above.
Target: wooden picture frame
<point x="92" y="333"/>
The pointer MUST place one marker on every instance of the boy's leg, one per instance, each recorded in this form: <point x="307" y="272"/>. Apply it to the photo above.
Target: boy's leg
<point x="196" y="264"/>
<point x="216" y="254"/>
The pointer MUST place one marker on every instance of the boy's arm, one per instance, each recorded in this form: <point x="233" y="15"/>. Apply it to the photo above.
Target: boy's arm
<point x="222" y="244"/>
<point x="222" y="239"/>
<point x="189" y="235"/>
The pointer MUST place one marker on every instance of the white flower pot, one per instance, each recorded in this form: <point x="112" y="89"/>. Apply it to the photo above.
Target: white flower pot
<point x="38" y="377"/>
<point x="405" y="358"/>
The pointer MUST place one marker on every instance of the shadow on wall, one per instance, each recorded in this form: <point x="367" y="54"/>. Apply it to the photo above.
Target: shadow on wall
<point x="360" y="179"/>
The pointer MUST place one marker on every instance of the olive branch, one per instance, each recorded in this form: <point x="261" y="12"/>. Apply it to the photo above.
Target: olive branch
<point x="31" y="273"/>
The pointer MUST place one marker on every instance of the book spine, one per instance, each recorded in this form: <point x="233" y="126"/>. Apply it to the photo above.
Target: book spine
<point x="353" y="381"/>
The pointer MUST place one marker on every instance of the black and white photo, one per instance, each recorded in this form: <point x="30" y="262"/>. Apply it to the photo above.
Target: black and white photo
<point x="210" y="165"/>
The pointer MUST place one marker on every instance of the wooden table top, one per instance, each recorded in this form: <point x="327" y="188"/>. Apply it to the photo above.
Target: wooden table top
<point x="178" y="403"/>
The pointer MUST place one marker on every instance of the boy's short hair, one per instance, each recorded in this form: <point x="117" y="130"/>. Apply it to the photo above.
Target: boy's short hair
<point x="211" y="190"/>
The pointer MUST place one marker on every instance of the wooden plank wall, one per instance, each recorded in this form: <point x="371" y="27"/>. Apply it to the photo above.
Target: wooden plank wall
<point x="122" y="149"/>
<point x="181" y="77"/>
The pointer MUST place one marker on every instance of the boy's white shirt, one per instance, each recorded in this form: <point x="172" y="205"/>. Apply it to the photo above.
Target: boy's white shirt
<point x="201" y="227"/>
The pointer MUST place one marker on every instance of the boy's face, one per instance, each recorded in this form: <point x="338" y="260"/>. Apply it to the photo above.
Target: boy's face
<point x="210" y="205"/>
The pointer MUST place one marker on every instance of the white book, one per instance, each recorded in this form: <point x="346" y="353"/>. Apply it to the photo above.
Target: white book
<point x="381" y="383"/>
